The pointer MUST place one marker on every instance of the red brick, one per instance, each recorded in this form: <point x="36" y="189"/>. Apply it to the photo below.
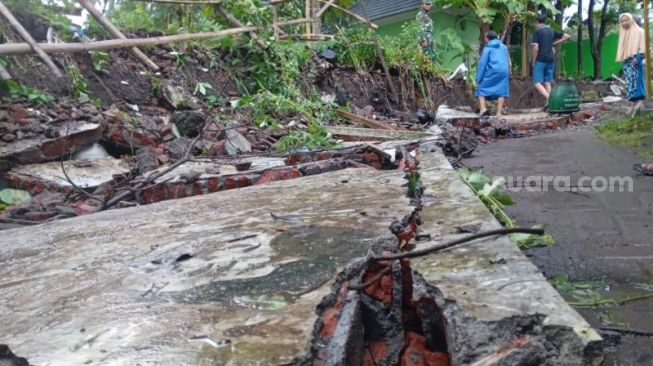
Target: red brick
<point x="158" y="193"/>
<point x="197" y="189"/>
<point x="146" y="195"/>
<point x="273" y="175"/>
<point x="181" y="191"/>
<point x="171" y="191"/>
<point x="39" y="215"/>
<point x="377" y="352"/>
<point x="19" y="114"/>
<point x="236" y="181"/>
<point x="417" y="354"/>
<point x="213" y="184"/>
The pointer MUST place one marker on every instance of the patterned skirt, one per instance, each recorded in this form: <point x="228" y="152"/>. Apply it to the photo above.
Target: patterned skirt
<point x="634" y="80"/>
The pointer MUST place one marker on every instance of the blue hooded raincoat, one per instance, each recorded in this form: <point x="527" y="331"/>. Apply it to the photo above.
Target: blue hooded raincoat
<point x="493" y="73"/>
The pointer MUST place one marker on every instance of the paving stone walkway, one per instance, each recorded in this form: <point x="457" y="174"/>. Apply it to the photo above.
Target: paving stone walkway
<point x="600" y="235"/>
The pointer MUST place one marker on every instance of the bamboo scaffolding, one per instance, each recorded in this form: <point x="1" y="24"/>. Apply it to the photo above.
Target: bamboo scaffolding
<point x="24" y="48"/>
<point x="360" y="18"/>
<point x="86" y="4"/>
<point x="236" y="23"/>
<point x="4" y="74"/>
<point x="324" y="8"/>
<point x="30" y="41"/>
<point x="186" y="2"/>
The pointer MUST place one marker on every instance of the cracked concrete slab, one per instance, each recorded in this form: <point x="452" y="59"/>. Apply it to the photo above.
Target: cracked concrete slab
<point x="233" y="277"/>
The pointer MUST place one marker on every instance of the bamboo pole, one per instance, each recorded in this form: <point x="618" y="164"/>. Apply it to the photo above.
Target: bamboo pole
<point x="324" y="8"/>
<point x="236" y="23"/>
<point x="188" y="2"/>
<point x="24" y="48"/>
<point x="379" y="54"/>
<point x="86" y="4"/>
<point x="294" y="21"/>
<point x="4" y="74"/>
<point x="647" y="50"/>
<point x="30" y="41"/>
<point x="308" y="15"/>
<point x="360" y="18"/>
<point x="275" y="19"/>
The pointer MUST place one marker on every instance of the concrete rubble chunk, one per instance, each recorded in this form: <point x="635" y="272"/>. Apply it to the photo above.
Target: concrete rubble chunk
<point x="84" y="173"/>
<point x="446" y="114"/>
<point x="179" y="98"/>
<point x="70" y="137"/>
<point x="179" y="147"/>
<point x="236" y="143"/>
<point x="146" y="159"/>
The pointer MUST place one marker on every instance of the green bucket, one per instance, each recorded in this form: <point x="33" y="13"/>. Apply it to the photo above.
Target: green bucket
<point x="565" y="98"/>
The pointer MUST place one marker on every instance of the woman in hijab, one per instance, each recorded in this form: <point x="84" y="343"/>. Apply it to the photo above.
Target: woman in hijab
<point x="631" y="53"/>
<point x="493" y="74"/>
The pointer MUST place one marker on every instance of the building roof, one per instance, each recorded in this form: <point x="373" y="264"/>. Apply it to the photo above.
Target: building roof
<point x="377" y="9"/>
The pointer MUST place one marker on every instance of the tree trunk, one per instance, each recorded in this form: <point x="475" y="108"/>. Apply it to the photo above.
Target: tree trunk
<point x="596" y="57"/>
<point x="559" y="19"/>
<point x="599" y="41"/>
<point x="483" y="29"/>
<point x="580" y="40"/>
<point x="524" y="50"/>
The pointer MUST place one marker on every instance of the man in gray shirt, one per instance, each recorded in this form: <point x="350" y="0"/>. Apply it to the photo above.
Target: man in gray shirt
<point x="544" y="39"/>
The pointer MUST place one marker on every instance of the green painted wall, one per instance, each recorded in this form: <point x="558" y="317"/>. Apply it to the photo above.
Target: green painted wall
<point x="609" y="66"/>
<point x="569" y="58"/>
<point x="467" y="29"/>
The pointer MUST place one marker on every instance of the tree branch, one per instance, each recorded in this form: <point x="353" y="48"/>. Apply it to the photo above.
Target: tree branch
<point x="439" y="248"/>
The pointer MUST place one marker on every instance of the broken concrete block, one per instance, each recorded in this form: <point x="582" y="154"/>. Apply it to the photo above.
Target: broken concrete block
<point x="179" y="98"/>
<point x="146" y="159"/>
<point x="71" y="137"/>
<point x="457" y="118"/>
<point x="37" y="178"/>
<point x="189" y="123"/>
<point x="178" y="147"/>
<point x="237" y="143"/>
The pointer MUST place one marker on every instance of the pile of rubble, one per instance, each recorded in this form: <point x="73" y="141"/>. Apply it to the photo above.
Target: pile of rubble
<point x="77" y="159"/>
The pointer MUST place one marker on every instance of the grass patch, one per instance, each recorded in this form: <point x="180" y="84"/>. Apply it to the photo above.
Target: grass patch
<point x="587" y="295"/>
<point x="636" y="132"/>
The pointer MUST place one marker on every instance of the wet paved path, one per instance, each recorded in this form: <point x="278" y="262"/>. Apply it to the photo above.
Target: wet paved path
<point x="599" y="235"/>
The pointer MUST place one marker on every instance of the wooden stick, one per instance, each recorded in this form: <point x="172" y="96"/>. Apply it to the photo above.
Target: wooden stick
<point x="191" y="2"/>
<point x="275" y="19"/>
<point x="24" y="48"/>
<point x="294" y="21"/>
<point x="86" y="4"/>
<point x="4" y="74"/>
<point x="30" y="41"/>
<point x="308" y="15"/>
<point x="236" y="23"/>
<point x="379" y="53"/>
<point x="364" y="121"/>
<point x="324" y="8"/>
<point x="441" y="247"/>
<point x="360" y="18"/>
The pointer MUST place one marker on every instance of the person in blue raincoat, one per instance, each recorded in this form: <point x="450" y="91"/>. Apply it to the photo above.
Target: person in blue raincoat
<point x="493" y="74"/>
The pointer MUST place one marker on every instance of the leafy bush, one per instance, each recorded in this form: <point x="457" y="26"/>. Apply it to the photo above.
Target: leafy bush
<point x="315" y="137"/>
<point x="21" y="92"/>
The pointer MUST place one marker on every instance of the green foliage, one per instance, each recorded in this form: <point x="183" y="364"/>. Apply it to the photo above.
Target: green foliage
<point x="133" y="16"/>
<point x="43" y="10"/>
<point x="156" y="84"/>
<point x="354" y="48"/>
<point x="79" y="84"/>
<point x="14" y="197"/>
<point x="587" y="293"/>
<point x="315" y="137"/>
<point x="635" y="132"/>
<point x="206" y="92"/>
<point x="21" y="92"/>
<point x="489" y="192"/>
<point x="99" y="61"/>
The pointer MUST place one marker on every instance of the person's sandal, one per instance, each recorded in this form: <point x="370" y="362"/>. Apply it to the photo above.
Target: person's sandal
<point x="644" y="168"/>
